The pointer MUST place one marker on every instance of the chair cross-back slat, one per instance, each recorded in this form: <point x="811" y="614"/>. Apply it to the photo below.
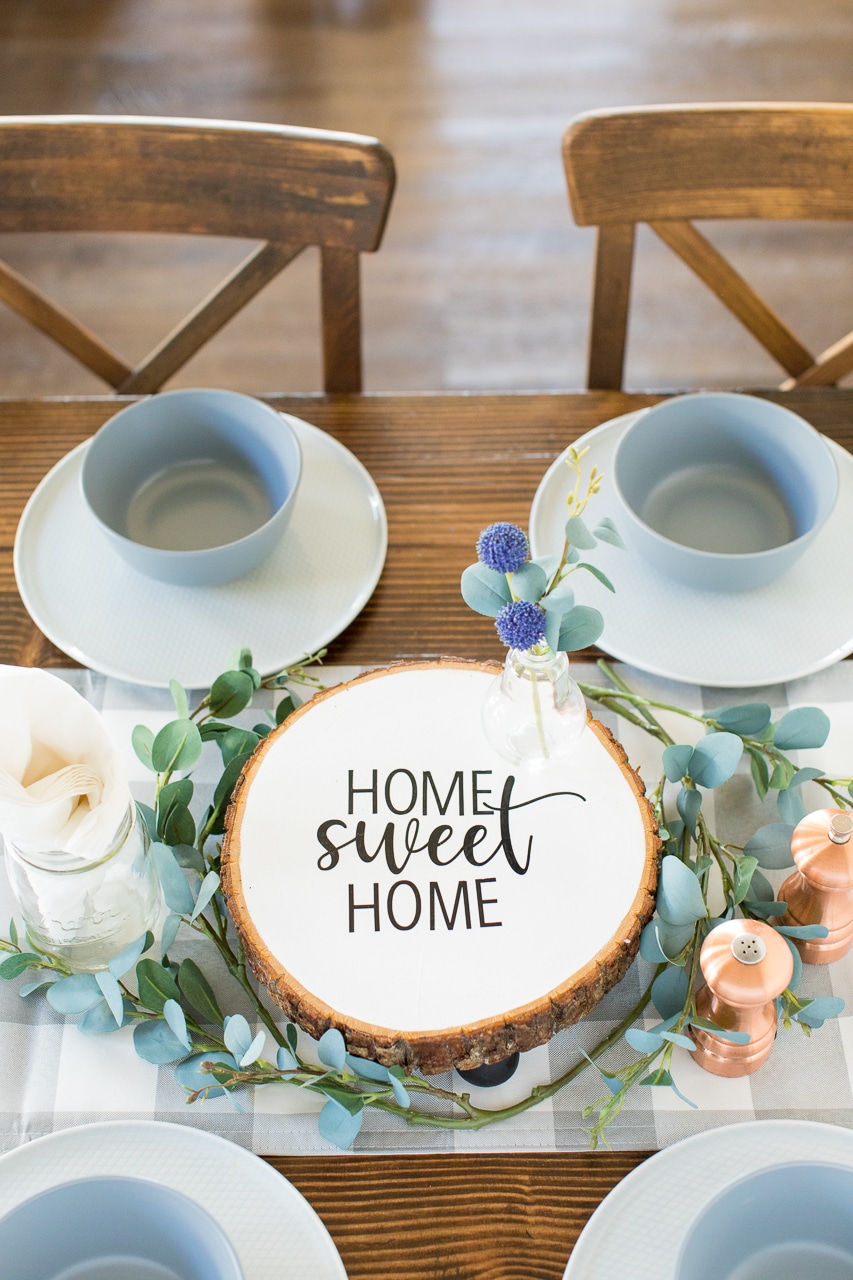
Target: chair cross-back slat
<point x="289" y="188"/>
<point x="667" y="166"/>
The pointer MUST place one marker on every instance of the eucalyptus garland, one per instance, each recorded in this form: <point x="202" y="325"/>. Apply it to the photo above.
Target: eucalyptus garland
<point x="177" y="1018"/>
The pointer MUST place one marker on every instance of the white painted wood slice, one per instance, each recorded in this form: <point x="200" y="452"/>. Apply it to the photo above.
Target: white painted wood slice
<point x="390" y="875"/>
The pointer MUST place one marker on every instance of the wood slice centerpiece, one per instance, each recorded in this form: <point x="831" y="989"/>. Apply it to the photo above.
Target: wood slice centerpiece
<point x="390" y="875"/>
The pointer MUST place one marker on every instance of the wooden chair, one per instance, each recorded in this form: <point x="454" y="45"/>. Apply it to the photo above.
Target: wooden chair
<point x="287" y="187"/>
<point x="667" y="165"/>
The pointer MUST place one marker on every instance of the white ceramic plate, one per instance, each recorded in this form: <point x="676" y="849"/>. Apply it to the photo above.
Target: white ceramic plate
<point x="794" y="626"/>
<point x="104" y="614"/>
<point x="273" y="1229"/>
<point x="638" y="1229"/>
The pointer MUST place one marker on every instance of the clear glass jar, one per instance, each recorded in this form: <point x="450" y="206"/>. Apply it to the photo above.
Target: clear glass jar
<point x="534" y="712"/>
<point x="85" y="909"/>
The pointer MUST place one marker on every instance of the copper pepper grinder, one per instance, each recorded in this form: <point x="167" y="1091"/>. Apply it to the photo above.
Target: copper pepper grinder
<point x="746" y="964"/>
<point x="820" y="891"/>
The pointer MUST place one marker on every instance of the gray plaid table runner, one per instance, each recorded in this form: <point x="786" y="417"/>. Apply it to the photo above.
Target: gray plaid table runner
<point x="52" y="1076"/>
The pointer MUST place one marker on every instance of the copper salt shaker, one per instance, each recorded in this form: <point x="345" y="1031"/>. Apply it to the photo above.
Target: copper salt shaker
<point x="820" y="891"/>
<point x="746" y="964"/>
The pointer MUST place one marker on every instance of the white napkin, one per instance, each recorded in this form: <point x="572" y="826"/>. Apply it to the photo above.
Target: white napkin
<point x="62" y="786"/>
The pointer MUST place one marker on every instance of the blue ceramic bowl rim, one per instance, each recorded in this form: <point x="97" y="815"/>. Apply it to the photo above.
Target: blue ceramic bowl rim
<point x="199" y="553"/>
<point x="225" y="1248"/>
<point x="730" y="557"/>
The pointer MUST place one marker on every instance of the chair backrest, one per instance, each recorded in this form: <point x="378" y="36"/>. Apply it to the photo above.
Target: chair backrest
<point x="287" y="187"/>
<point x="666" y="165"/>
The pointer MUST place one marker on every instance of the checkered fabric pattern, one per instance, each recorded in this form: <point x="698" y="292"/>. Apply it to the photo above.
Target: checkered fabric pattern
<point x="52" y="1076"/>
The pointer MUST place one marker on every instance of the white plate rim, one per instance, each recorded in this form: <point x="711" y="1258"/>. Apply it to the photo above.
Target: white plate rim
<point x="625" y="652"/>
<point x="641" y="1194"/>
<point x="63" y="472"/>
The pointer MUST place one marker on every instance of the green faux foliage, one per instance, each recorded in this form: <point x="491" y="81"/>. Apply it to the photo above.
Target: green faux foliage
<point x="177" y="1018"/>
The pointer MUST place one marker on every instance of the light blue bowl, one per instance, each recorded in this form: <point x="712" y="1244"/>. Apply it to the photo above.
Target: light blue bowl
<point x="790" y="1222"/>
<point x="192" y="487"/>
<point x="108" y="1228"/>
<point x="723" y="492"/>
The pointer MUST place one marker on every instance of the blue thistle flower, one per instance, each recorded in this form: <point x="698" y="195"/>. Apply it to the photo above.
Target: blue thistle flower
<point x="521" y="624"/>
<point x="503" y="547"/>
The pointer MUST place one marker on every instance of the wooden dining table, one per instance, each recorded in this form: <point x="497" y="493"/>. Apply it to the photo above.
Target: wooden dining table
<point x="446" y="465"/>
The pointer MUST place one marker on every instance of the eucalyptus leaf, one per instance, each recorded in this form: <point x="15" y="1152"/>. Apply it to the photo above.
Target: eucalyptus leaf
<point x="643" y="1041"/>
<point x="128" y="956"/>
<point x="190" y="1076"/>
<point x="485" y="590"/>
<point x="230" y="693"/>
<point x="791" y="807"/>
<point x="758" y="770"/>
<point x="176" y="891"/>
<point x="689" y="803"/>
<point x="156" y="985"/>
<point x="771" y="845"/>
<point x="284" y="708"/>
<point x="189" y="857"/>
<point x="802" y="728"/>
<point x="176" y="1018"/>
<point x="705" y="1024"/>
<point x="806" y="775"/>
<point x="650" y="947"/>
<point x="560" y="600"/>
<point x="111" y="992"/>
<point x="209" y="886"/>
<point x="29" y="987"/>
<point x="797" y="975"/>
<point x="74" y="994"/>
<point x="100" y="1020"/>
<point x="529" y="582"/>
<point x="149" y="817"/>
<point x="614" y="1084"/>
<point x="13" y="966"/>
<point x="766" y="910"/>
<point x="760" y="888"/>
<point x="715" y="759"/>
<point x="179" y="827"/>
<point x="675" y="1037"/>
<point x="596" y="573"/>
<point x="171" y="925"/>
<point x="804" y="932"/>
<point x="142" y="740"/>
<point x="331" y="1049"/>
<point x="679" y="900"/>
<point x="401" y="1096"/>
<point x="198" y="992"/>
<point x="177" y="746"/>
<point x="747" y="719"/>
<point x="339" y="1126"/>
<point x="368" y="1069"/>
<point x="818" y="1010"/>
<point x="285" y="1060"/>
<point x="676" y="761"/>
<point x="237" y="1035"/>
<point x="606" y="531"/>
<point x="581" y="627"/>
<point x="179" y="697"/>
<point x="673" y="938"/>
<point x="579" y="535"/>
<point x="783" y="775"/>
<point x="744" y="868"/>
<point x="254" y="1050"/>
<point x="670" y="990"/>
<point x="553" y="623"/>
<point x="156" y="1042"/>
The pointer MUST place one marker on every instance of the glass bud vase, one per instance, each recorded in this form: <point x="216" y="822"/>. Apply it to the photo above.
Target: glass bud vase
<point x="534" y="712"/>
<point x="85" y="909"/>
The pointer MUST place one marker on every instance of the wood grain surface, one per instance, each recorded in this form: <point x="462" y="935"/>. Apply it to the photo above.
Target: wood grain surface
<point x="447" y="465"/>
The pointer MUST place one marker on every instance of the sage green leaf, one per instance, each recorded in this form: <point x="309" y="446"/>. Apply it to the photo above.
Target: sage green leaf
<point x="748" y="719"/>
<point x="111" y="992"/>
<point x="791" y="807"/>
<point x="675" y="1037"/>
<point x="805" y="932"/>
<point x="179" y="827"/>
<point x="650" y="947"/>
<point x="230" y="693"/>
<point x="339" y="1125"/>
<point x="484" y="590"/>
<point x="292" y="1036"/>
<point x="198" y="992"/>
<point x="240" y="660"/>
<point x="29" y="987"/>
<point x="766" y="908"/>
<point x="606" y="531"/>
<point x="368" y="1069"/>
<point x="13" y="932"/>
<point x="679" y="898"/>
<point x="815" y="1013"/>
<point x="188" y="856"/>
<point x="237" y="1035"/>
<point x="579" y="535"/>
<point x="673" y="938"/>
<point x="237" y="742"/>
<point x="74" y="994"/>
<point x="715" y="759"/>
<point x="285" y="708"/>
<point x="331" y="1049"/>
<point x="705" y="1024"/>
<point x="175" y="1017"/>
<point x="643" y="1041"/>
<point x="171" y="926"/>
<point x="178" y="792"/>
<point x="670" y="990"/>
<point x="549" y="564"/>
<point x="758" y="769"/>
<point x="802" y="728"/>
<point x="613" y="1083"/>
<point x="176" y="891"/>
<point x="596" y="573"/>
<point x="782" y="775"/>
<point x="177" y="746"/>
<point x="771" y="845"/>
<point x="676" y="761"/>
<point x="227" y="782"/>
<point x="179" y="697"/>
<point x="560" y="600"/>
<point x="142" y="740"/>
<point x="529" y="582"/>
<point x="284" y="1059"/>
<point x="128" y="956"/>
<point x="156" y="985"/>
<point x="553" y="623"/>
<point x="580" y="628"/>
<point x="13" y="966"/>
<point x="806" y="775"/>
<point x="156" y="1042"/>
<point x="209" y="886"/>
<point x="190" y="1076"/>
<point x="401" y="1096"/>
<point x="689" y="803"/>
<point x="254" y="1050"/>
<point x="101" y="1020"/>
<point x="798" y="966"/>
<point x="744" y="870"/>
